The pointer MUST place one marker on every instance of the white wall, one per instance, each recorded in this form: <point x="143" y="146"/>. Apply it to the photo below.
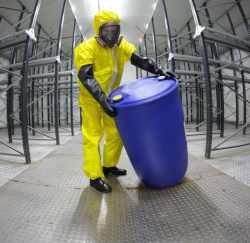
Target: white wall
<point x="129" y="73"/>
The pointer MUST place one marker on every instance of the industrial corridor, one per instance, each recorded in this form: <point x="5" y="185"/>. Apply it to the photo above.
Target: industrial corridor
<point x="124" y="121"/>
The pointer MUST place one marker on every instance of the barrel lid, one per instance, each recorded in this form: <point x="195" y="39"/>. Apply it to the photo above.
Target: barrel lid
<point x="142" y="91"/>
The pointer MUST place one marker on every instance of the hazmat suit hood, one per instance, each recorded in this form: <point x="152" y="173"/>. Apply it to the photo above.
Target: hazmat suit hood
<point x="104" y="17"/>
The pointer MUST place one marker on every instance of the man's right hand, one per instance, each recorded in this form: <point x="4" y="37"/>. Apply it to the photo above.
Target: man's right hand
<point x="149" y="65"/>
<point x="107" y="108"/>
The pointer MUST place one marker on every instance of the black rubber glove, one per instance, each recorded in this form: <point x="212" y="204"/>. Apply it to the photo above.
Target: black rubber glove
<point x="85" y="75"/>
<point x="169" y="74"/>
<point x="147" y="64"/>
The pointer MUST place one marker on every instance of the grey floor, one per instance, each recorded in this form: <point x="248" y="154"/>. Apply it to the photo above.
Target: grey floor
<point x="50" y="200"/>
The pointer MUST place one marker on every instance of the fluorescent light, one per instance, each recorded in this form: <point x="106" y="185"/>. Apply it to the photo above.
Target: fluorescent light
<point x="105" y="4"/>
<point x="112" y="5"/>
<point x="73" y="8"/>
<point x="154" y="5"/>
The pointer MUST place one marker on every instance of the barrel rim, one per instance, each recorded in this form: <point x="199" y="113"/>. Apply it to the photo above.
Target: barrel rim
<point x="117" y="104"/>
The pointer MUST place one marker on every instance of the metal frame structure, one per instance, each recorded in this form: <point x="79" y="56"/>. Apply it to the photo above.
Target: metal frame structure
<point x="204" y="77"/>
<point x="44" y="79"/>
<point x="196" y="53"/>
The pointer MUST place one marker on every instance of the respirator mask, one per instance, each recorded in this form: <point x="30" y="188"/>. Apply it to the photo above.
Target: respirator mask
<point x="110" y="33"/>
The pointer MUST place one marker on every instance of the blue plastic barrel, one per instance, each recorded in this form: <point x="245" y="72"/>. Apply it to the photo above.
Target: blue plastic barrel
<point x="150" y="122"/>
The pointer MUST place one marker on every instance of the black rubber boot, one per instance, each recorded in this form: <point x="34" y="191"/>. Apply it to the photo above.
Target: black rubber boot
<point x="114" y="171"/>
<point x="100" y="185"/>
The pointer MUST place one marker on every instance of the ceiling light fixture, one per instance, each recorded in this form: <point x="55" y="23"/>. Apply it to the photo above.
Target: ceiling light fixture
<point x="112" y="5"/>
<point x="104" y="4"/>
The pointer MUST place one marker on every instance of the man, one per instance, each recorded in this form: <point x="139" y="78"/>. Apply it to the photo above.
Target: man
<point x="100" y="62"/>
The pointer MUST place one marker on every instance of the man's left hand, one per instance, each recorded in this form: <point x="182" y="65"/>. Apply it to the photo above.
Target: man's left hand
<point x="169" y="74"/>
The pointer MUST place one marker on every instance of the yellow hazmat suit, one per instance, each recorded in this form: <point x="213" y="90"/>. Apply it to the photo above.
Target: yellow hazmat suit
<point x="108" y="64"/>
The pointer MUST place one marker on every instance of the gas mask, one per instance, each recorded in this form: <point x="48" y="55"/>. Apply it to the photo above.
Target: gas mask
<point x="109" y="33"/>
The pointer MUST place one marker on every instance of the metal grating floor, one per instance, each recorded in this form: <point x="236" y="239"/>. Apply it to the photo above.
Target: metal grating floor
<point x="51" y="201"/>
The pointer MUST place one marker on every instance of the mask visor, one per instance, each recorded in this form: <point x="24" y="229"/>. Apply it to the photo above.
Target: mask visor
<point x="109" y="33"/>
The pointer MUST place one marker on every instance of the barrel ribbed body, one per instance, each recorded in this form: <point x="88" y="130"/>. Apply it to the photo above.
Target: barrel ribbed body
<point x="151" y="124"/>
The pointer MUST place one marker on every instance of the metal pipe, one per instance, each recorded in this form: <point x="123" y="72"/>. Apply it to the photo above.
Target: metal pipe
<point x="33" y="52"/>
<point x="241" y="128"/>
<point x="235" y="82"/>
<point x="170" y="48"/>
<point x="140" y="68"/>
<point x="154" y="40"/>
<point x="145" y="48"/>
<point x="194" y="52"/>
<point x="56" y="112"/>
<point x="66" y="98"/>
<point x="38" y="71"/>
<point x="244" y="101"/>
<point x="207" y="80"/>
<point x="71" y="79"/>
<point x="7" y="145"/>
<point x="42" y="112"/>
<point x="243" y="16"/>
<point x="24" y="124"/>
<point x="33" y="107"/>
<point x="220" y="90"/>
<point x="10" y="102"/>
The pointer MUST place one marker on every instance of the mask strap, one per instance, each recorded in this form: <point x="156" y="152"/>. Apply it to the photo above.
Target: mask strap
<point x="100" y="41"/>
<point x="119" y="41"/>
<point x="103" y="44"/>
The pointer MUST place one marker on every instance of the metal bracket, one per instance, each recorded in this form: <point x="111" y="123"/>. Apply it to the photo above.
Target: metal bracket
<point x="30" y="32"/>
<point x="170" y="56"/>
<point x="58" y="59"/>
<point x="199" y="29"/>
